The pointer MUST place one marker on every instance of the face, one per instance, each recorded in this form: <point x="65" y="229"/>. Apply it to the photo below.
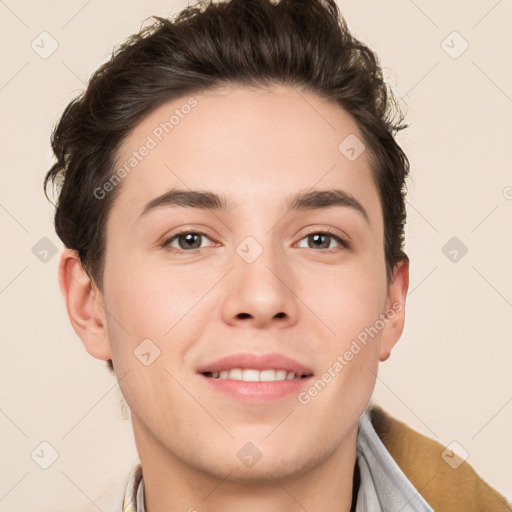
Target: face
<point x="263" y="270"/>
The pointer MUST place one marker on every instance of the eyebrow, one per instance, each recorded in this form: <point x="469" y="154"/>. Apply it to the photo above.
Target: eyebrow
<point x="312" y="200"/>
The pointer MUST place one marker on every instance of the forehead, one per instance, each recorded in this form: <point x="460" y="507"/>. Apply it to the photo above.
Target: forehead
<point x="254" y="145"/>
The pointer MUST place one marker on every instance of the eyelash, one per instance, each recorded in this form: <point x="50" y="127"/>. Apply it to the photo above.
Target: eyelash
<point x="342" y="241"/>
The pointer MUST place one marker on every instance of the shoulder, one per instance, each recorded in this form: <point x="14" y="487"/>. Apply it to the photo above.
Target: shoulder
<point x="444" y="487"/>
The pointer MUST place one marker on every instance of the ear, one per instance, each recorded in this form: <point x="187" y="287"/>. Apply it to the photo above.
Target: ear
<point x="395" y="309"/>
<point x="85" y="305"/>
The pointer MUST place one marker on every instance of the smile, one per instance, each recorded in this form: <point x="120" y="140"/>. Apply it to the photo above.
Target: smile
<point x="252" y="375"/>
<point x="256" y="378"/>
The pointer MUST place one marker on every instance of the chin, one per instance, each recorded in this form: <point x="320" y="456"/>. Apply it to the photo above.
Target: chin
<point x="262" y="472"/>
<point x="256" y="463"/>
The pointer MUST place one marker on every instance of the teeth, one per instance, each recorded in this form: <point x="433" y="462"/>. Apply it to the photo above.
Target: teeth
<point x="281" y="374"/>
<point x="251" y="375"/>
<point x="235" y="373"/>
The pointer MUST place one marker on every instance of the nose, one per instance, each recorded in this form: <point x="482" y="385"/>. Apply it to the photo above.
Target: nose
<point x="260" y="293"/>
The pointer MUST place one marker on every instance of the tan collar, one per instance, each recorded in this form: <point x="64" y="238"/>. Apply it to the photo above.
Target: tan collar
<point x="446" y="486"/>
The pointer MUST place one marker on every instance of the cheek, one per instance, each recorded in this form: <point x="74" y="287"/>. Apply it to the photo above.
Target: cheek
<point x="146" y="321"/>
<point x="157" y="303"/>
<point x="150" y="300"/>
<point x="349" y="301"/>
<point x="350" y="305"/>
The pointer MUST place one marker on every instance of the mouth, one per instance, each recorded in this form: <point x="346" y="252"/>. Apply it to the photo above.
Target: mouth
<point x="253" y="375"/>
<point x="256" y="378"/>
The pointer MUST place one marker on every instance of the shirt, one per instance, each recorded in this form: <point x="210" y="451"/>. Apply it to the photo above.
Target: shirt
<point x="383" y="487"/>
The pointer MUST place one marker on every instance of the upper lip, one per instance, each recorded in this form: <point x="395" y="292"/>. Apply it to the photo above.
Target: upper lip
<point x="256" y="362"/>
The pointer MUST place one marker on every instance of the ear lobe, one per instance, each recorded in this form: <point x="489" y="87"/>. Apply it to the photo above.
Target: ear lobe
<point x="84" y="304"/>
<point x="395" y="312"/>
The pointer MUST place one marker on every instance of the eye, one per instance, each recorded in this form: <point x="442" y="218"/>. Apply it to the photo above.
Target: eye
<point x="191" y="241"/>
<point x="187" y="241"/>
<point x="322" y="240"/>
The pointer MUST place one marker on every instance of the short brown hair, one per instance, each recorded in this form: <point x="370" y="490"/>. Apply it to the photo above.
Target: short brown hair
<point x="301" y="43"/>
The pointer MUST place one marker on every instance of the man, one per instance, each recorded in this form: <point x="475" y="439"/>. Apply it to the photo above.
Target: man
<point x="232" y="205"/>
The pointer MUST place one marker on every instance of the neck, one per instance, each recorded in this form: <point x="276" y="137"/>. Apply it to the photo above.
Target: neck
<point x="173" y="484"/>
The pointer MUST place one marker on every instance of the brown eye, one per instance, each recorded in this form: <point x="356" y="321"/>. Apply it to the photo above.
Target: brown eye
<point x="323" y="240"/>
<point x="187" y="240"/>
<point x="190" y="241"/>
<point x="319" y="241"/>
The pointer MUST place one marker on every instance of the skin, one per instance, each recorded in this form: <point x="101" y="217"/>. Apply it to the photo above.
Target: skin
<point x="257" y="147"/>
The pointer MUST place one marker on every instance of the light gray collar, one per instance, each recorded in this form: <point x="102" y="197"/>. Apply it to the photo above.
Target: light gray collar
<point x="383" y="486"/>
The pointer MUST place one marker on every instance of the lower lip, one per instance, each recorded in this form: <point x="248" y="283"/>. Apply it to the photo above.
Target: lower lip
<point x="257" y="391"/>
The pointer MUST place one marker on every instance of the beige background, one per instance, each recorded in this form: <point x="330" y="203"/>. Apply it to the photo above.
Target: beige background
<point x="449" y="377"/>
